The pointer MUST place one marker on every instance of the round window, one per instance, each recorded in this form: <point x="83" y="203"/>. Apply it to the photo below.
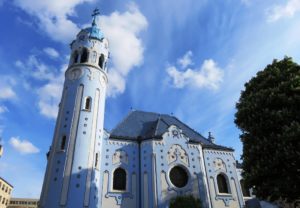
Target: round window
<point x="179" y="177"/>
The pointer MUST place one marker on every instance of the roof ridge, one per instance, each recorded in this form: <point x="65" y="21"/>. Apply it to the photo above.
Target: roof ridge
<point x="149" y="112"/>
<point x="155" y="132"/>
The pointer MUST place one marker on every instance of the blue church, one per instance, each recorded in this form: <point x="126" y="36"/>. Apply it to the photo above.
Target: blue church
<point x="144" y="162"/>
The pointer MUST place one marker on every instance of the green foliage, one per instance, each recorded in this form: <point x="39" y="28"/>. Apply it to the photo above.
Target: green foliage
<point x="268" y="114"/>
<point x="185" y="202"/>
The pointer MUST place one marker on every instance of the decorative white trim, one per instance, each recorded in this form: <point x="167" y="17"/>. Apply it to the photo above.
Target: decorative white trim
<point x="92" y="149"/>
<point x="71" y="149"/>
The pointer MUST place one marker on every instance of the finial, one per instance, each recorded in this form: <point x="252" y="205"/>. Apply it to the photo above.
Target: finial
<point x="95" y="13"/>
<point x="210" y="137"/>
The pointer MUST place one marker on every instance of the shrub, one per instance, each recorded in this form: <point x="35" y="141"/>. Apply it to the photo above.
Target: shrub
<point x="185" y="202"/>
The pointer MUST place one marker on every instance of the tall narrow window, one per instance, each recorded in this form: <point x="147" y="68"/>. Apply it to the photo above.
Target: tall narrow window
<point x="222" y="184"/>
<point x="88" y="102"/>
<point x="101" y="61"/>
<point x="84" y="55"/>
<point x="63" y="143"/>
<point x="119" y="179"/>
<point x="96" y="161"/>
<point x="75" y="57"/>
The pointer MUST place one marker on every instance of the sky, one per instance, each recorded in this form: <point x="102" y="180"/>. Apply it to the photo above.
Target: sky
<point x="188" y="58"/>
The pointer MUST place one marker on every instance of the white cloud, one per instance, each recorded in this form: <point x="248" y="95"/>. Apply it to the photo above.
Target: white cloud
<point x="51" y="52"/>
<point x="186" y="60"/>
<point x="53" y="16"/>
<point x="23" y="146"/>
<point x="6" y="92"/>
<point x="116" y="83"/>
<point x="281" y="11"/>
<point x="6" y="88"/>
<point x="49" y="94"/>
<point x="122" y="31"/>
<point x="3" y="109"/>
<point x="209" y="75"/>
<point x="35" y="68"/>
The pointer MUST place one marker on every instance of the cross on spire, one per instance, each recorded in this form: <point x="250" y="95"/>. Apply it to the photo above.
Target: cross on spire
<point x="95" y="13"/>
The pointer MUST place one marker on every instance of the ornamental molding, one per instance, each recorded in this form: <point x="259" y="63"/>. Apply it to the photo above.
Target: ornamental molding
<point x="120" y="156"/>
<point x="226" y="199"/>
<point x="177" y="154"/>
<point x="176" y="133"/>
<point x="219" y="165"/>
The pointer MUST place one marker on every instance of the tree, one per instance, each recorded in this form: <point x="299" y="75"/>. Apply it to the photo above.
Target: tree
<point x="268" y="114"/>
<point x="185" y="201"/>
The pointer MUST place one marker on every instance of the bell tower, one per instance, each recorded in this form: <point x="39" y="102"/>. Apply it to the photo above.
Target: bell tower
<point x="73" y="169"/>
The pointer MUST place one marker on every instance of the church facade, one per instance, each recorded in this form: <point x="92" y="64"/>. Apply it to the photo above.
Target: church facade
<point x="144" y="162"/>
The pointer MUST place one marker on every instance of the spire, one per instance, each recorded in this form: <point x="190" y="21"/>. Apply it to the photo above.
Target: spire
<point x="95" y="14"/>
<point x="211" y="137"/>
<point x="95" y="31"/>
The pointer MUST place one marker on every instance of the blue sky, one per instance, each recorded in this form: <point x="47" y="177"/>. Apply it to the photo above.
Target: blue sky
<point x="187" y="58"/>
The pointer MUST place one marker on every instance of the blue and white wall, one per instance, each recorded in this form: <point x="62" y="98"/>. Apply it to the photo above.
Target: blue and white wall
<point x="148" y="166"/>
<point x="116" y="154"/>
<point x="222" y="163"/>
<point x="173" y="150"/>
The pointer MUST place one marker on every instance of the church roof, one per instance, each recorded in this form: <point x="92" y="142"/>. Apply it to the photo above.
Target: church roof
<point x="94" y="32"/>
<point x="140" y="125"/>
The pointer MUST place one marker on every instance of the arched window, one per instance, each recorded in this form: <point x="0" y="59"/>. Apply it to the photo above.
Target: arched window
<point x="119" y="179"/>
<point x="222" y="184"/>
<point x="63" y="143"/>
<point x="75" y="57"/>
<point x="88" y="102"/>
<point x="84" y="55"/>
<point x="101" y="61"/>
<point x="245" y="191"/>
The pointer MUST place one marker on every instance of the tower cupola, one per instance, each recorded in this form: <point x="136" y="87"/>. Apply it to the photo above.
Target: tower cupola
<point x="90" y="46"/>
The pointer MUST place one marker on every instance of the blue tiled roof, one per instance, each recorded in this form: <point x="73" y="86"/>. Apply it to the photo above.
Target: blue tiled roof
<point x="140" y="125"/>
<point x="94" y="32"/>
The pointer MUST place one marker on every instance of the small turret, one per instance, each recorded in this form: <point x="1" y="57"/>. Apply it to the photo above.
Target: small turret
<point x="211" y="138"/>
